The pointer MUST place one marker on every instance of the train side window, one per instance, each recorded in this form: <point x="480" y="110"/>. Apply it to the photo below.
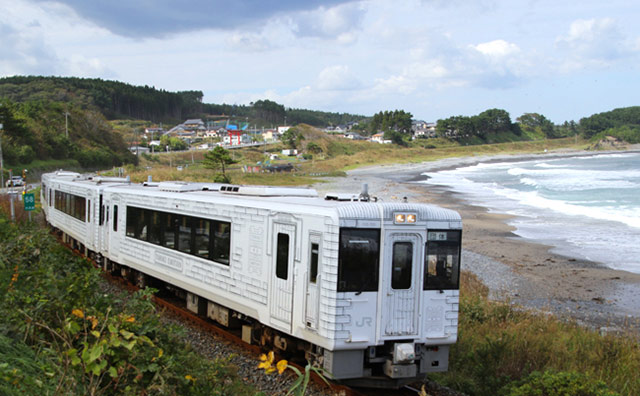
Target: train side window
<point x="358" y="259"/>
<point x="68" y="208"/>
<point x="313" y="262"/>
<point x="202" y="228"/>
<point x="155" y="227"/>
<point x="133" y="215"/>
<point x="170" y="222"/>
<point x="282" y="256"/>
<point x="442" y="261"/>
<point x="81" y="207"/>
<point x="51" y="193"/>
<point x="221" y="233"/>
<point x="401" y="265"/>
<point x="115" y="218"/>
<point x="89" y="211"/>
<point x="184" y="234"/>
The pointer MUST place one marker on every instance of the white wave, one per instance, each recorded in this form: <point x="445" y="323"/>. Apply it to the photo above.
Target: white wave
<point x="610" y="155"/>
<point x="548" y="165"/>
<point x="529" y="181"/>
<point x="630" y="217"/>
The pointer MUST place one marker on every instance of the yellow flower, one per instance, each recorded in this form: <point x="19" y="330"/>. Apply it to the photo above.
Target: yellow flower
<point x="160" y="353"/>
<point x="78" y="312"/>
<point x="189" y="378"/>
<point x="130" y="319"/>
<point x="282" y="365"/>
<point x="94" y="321"/>
<point x="267" y="363"/>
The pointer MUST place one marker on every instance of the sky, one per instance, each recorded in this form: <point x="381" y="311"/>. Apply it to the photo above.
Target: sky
<point x="434" y="58"/>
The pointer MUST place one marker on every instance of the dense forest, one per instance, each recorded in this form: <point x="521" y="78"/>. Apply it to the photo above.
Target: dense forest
<point x="113" y="99"/>
<point x="117" y="100"/>
<point x="38" y="130"/>
<point x="495" y="125"/>
<point x="623" y="123"/>
<point x="269" y="113"/>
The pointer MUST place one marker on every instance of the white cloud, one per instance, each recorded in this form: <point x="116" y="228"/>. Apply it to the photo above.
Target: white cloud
<point x="594" y="42"/>
<point x="338" y="78"/>
<point x="337" y="22"/>
<point x="497" y="48"/>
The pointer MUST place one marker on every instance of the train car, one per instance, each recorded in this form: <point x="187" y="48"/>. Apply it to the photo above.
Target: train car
<point x="369" y="290"/>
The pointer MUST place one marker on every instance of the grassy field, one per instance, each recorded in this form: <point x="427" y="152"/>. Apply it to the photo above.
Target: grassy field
<point x="503" y="350"/>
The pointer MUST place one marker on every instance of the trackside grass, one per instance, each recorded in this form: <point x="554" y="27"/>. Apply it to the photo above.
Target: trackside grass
<point x="503" y="350"/>
<point x="60" y="334"/>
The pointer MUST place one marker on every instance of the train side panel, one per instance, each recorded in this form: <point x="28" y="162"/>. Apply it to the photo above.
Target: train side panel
<point x="252" y="282"/>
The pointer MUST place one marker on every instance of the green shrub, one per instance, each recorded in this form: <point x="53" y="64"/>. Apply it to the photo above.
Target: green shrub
<point x="60" y="334"/>
<point x="561" y="383"/>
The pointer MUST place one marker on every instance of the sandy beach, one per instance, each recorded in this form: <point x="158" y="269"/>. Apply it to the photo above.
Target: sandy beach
<point x="514" y="269"/>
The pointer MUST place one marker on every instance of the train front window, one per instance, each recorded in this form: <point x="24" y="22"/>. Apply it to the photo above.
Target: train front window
<point x="358" y="260"/>
<point x="442" y="261"/>
<point x="401" y="265"/>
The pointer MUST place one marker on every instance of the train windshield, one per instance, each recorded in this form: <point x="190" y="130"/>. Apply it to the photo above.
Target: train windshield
<point x="442" y="260"/>
<point x="358" y="260"/>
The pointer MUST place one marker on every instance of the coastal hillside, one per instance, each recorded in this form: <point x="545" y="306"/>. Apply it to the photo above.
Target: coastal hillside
<point x="52" y="122"/>
<point x="623" y="123"/>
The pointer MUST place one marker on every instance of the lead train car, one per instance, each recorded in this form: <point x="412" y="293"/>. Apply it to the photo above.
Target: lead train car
<point x="369" y="290"/>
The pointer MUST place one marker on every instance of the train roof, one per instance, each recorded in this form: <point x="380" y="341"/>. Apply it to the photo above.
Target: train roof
<point x="347" y="206"/>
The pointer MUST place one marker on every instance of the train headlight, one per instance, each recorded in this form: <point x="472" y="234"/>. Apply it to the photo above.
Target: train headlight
<point x="405" y="218"/>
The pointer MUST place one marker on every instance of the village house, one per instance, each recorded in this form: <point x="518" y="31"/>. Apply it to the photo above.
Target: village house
<point x="270" y="135"/>
<point x="283" y="129"/>
<point x="378" y="137"/>
<point x="353" y="136"/>
<point x="422" y="129"/>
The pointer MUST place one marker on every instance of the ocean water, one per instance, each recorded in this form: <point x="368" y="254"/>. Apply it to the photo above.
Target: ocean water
<point x="585" y="207"/>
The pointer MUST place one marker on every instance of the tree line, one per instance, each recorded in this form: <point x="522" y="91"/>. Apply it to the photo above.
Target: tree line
<point x="120" y="100"/>
<point x="114" y="99"/>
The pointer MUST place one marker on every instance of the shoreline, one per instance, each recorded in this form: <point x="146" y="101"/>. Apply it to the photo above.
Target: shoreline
<point x="515" y="269"/>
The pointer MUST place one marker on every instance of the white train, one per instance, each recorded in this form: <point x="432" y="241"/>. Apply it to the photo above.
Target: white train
<point x="369" y="290"/>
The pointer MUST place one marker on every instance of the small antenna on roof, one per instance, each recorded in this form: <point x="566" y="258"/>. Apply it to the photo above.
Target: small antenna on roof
<point x="364" y="195"/>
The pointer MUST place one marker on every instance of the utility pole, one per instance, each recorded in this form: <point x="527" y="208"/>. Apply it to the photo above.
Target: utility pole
<point x="66" y="123"/>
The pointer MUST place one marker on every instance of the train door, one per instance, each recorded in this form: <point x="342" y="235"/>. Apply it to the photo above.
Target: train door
<point x="313" y="282"/>
<point x="104" y="225"/>
<point x="283" y="255"/>
<point x="115" y="217"/>
<point x="401" y="275"/>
